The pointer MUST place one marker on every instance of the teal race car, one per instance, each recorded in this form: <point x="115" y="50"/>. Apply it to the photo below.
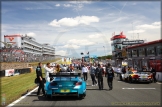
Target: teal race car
<point x="66" y="84"/>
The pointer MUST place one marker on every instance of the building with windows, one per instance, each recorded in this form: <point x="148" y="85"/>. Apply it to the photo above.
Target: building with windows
<point x="26" y="48"/>
<point x="117" y="46"/>
<point x="147" y="54"/>
<point x="29" y="45"/>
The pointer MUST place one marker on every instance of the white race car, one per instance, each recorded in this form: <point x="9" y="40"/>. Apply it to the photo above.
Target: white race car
<point x="137" y="77"/>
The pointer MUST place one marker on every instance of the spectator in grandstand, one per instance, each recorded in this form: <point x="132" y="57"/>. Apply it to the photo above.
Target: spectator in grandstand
<point x="48" y="69"/>
<point x="40" y="78"/>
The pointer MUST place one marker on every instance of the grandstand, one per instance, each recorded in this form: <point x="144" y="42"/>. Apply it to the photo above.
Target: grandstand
<point x="19" y="48"/>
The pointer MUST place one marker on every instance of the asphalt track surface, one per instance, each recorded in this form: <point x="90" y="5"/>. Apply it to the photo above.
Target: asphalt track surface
<point x="123" y="94"/>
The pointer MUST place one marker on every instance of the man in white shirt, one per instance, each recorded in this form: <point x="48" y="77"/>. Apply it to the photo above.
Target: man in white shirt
<point x="48" y="70"/>
<point x="84" y="72"/>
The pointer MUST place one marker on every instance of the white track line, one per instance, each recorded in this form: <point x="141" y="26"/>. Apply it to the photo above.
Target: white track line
<point x="13" y="103"/>
<point x="140" y="88"/>
<point x="158" y="82"/>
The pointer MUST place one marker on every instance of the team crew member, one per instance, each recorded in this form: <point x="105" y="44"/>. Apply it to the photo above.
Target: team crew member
<point x="153" y="71"/>
<point x="110" y="75"/>
<point x="84" y="72"/>
<point x="48" y="70"/>
<point x="92" y="73"/>
<point x="40" y="78"/>
<point x="99" y="75"/>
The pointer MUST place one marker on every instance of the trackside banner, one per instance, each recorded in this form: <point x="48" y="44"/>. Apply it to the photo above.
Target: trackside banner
<point x="9" y="72"/>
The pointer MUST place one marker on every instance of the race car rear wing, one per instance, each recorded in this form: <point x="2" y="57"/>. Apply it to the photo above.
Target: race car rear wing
<point x="64" y="74"/>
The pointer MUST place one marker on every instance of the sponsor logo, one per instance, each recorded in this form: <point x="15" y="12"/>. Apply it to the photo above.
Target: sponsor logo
<point x="11" y="38"/>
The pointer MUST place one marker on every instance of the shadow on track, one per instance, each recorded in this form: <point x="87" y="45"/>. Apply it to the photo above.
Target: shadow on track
<point x="58" y="98"/>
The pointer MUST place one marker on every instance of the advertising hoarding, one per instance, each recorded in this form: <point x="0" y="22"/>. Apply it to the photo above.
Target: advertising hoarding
<point x="9" y="72"/>
<point x="133" y="42"/>
<point x="14" y="40"/>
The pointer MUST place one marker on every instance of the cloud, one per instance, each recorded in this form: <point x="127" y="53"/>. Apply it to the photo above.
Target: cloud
<point x="142" y="28"/>
<point x="154" y="25"/>
<point x="119" y="19"/>
<point x="82" y="42"/>
<point x="57" y="5"/>
<point x="71" y="46"/>
<point x="31" y="34"/>
<point x="136" y="31"/>
<point x="78" y="7"/>
<point x="95" y="36"/>
<point x="67" y="5"/>
<point x="60" y="52"/>
<point x="71" y="22"/>
<point x="84" y="2"/>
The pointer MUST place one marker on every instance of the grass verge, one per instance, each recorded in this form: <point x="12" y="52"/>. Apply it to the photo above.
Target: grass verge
<point x="15" y="86"/>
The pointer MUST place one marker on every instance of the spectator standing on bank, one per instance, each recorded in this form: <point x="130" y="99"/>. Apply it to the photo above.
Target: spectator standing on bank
<point x="92" y="74"/>
<point x="84" y="72"/>
<point x="99" y="75"/>
<point x="110" y="76"/>
<point x="153" y="71"/>
<point x="40" y="78"/>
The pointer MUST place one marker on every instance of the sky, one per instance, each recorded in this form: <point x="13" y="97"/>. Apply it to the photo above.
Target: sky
<point x="73" y="27"/>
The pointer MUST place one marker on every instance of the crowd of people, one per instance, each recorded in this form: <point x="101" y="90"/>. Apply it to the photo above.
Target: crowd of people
<point x="96" y="72"/>
<point x="17" y="55"/>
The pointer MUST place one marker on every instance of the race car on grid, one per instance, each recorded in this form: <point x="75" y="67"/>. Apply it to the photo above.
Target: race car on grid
<point x="137" y="76"/>
<point x="65" y="84"/>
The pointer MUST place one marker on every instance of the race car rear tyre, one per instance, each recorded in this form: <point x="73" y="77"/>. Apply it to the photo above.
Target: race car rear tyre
<point x="81" y="96"/>
<point x="48" y="96"/>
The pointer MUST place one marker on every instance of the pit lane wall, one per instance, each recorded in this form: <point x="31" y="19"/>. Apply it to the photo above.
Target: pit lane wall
<point x="158" y="74"/>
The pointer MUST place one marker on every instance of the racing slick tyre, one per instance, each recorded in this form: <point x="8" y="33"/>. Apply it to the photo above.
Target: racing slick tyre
<point x="81" y="96"/>
<point x="48" y="96"/>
